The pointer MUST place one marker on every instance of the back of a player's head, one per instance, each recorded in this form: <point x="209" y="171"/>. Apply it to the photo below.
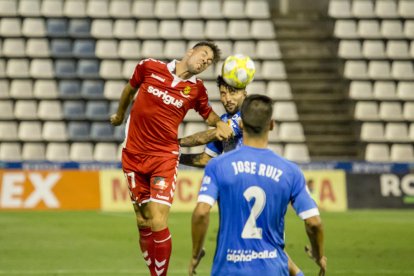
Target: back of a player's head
<point x="256" y="113"/>
<point x="213" y="46"/>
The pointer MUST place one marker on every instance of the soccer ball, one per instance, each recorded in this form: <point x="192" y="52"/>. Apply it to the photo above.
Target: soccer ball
<point x="238" y="71"/>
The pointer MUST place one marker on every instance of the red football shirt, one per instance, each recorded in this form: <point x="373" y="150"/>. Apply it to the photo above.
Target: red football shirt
<point x="161" y="104"/>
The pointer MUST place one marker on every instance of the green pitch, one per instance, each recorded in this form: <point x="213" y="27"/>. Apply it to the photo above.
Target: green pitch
<point x="95" y="243"/>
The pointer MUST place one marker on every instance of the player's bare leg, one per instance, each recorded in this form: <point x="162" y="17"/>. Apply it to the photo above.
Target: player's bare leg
<point x="293" y="268"/>
<point x="146" y="241"/>
<point x="161" y="235"/>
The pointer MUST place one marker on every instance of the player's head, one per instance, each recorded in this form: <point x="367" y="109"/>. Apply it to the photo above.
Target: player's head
<point x="201" y="56"/>
<point x="231" y="98"/>
<point x="256" y="114"/>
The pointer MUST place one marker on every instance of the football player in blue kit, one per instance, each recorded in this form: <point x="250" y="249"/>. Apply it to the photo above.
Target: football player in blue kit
<point x="232" y="100"/>
<point x="253" y="187"/>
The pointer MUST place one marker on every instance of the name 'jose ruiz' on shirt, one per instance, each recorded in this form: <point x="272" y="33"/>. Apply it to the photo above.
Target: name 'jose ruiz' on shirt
<point x="261" y="169"/>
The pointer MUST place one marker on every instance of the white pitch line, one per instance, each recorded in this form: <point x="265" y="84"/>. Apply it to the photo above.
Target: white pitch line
<point x="86" y="271"/>
<point x="179" y="272"/>
<point x="368" y="272"/>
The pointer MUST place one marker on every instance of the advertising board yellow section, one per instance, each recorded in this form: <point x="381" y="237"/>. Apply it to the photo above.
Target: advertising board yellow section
<point x="328" y="189"/>
<point x="114" y="191"/>
<point x="188" y="185"/>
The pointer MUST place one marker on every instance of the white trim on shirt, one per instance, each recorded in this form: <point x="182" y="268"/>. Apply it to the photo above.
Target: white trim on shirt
<point x="160" y="201"/>
<point x="210" y="152"/>
<point x="171" y="68"/>
<point x="206" y="199"/>
<point x="309" y="213"/>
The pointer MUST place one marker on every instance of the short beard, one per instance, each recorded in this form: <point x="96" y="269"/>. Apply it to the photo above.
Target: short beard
<point x="231" y="112"/>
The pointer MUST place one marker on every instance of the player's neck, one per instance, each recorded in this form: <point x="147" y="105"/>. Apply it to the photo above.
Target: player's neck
<point x="255" y="142"/>
<point x="182" y="71"/>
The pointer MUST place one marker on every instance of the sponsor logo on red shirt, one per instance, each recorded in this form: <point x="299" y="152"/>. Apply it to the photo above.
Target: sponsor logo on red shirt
<point x="166" y="98"/>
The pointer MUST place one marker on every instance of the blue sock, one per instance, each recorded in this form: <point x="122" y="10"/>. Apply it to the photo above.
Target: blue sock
<point x="300" y="274"/>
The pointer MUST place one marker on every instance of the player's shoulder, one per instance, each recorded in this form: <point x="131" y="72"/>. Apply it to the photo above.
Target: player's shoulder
<point x="227" y="116"/>
<point x="200" y="84"/>
<point x="227" y="157"/>
<point x="224" y="116"/>
<point x="199" y="81"/>
<point x="150" y="62"/>
<point x="287" y="164"/>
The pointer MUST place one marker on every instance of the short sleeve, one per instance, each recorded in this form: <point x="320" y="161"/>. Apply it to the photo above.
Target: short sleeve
<point x="234" y="124"/>
<point x="209" y="186"/>
<point x="302" y="201"/>
<point x="202" y="106"/>
<point x="138" y="76"/>
<point x="214" y="148"/>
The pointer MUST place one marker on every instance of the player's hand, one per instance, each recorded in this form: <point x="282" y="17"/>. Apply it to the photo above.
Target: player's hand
<point x="224" y="131"/>
<point x="195" y="262"/>
<point x="321" y="262"/>
<point x="116" y="119"/>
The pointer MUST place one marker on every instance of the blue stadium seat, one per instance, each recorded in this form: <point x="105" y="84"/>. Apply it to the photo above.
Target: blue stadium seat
<point x="57" y="27"/>
<point x="69" y="89"/>
<point x="80" y="28"/>
<point x="113" y="107"/>
<point x="79" y="131"/>
<point x="102" y="132"/>
<point x="88" y="68"/>
<point x="97" y="110"/>
<point x="74" y="110"/>
<point x="119" y="133"/>
<point x="92" y="89"/>
<point x="61" y="48"/>
<point x="84" y="48"/>
<point x="65" y="68"/>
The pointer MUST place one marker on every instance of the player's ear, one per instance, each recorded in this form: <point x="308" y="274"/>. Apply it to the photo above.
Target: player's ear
<point x="189" y="52"/>
<point x="271" y="125"/>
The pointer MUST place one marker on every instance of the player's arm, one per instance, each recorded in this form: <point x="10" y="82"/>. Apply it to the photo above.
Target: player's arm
<point x="198" y="160"/>
<point x="223" y="130"/>
<point x="307" y="210"/>
<point x="199" y="226"/>
<point x="314" y="230"/>
<point x="126" y="98"/>
<point x="293" y="268"/>
<point x="199" y="138"/>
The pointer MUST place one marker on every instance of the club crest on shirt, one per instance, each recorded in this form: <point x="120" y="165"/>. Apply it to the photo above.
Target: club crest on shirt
<point x="206" y="180"/>
<point x="186" y="92"/>
<point x="159" y="183"/>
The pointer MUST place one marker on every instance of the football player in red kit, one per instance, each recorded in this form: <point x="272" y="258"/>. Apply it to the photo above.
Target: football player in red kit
<point x="151" y="151"/>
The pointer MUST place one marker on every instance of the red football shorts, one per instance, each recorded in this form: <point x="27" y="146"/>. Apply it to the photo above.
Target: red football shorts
<point x="150" y="178"/>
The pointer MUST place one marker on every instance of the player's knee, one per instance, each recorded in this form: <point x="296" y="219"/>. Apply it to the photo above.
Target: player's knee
<point x="143" y="222"/>
<point x="159" y="222"/>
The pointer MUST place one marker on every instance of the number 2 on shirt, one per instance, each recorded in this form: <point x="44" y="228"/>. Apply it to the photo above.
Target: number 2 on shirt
<point x="250" y="230"/>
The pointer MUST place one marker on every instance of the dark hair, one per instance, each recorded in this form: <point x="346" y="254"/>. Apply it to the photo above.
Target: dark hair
<point x="213" y="46"/>
<point x="256" y="113"/>
<point x="220" y="81"/>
